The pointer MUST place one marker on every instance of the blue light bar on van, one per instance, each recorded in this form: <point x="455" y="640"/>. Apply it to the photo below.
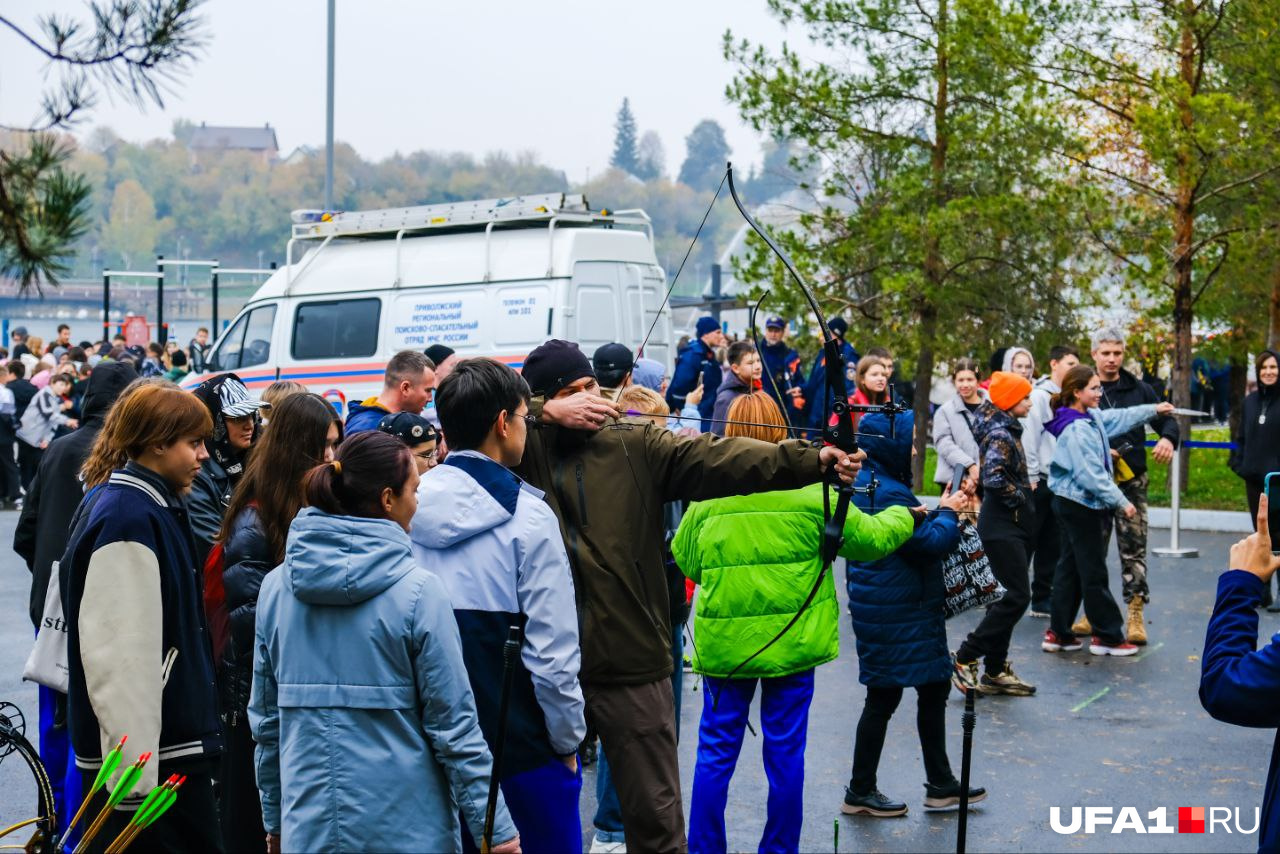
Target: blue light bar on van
<point x="305" y="216"/>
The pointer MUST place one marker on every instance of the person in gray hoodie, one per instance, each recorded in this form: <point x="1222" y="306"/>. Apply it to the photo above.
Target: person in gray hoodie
<point x="366" y="727"/>
<point x="496" y="545"/>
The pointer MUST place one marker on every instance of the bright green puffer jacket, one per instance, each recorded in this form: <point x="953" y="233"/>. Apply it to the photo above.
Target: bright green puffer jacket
<point x="757" y="557"/>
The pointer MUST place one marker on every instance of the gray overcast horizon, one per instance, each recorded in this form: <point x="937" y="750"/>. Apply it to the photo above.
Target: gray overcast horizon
<point x="471" y="77"/>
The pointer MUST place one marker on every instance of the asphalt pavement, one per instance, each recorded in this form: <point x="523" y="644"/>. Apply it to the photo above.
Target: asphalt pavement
<point x="1100" y="732"/>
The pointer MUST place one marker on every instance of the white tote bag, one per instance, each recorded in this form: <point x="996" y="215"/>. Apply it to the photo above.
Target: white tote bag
<point x="47" y="664"/>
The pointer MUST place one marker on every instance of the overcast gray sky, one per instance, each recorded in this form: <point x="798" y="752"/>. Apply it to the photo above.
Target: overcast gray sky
<point x="505" y="75"/>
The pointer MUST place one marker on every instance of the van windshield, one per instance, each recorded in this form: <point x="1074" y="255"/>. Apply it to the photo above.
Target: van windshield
<point x="247" y="343"/>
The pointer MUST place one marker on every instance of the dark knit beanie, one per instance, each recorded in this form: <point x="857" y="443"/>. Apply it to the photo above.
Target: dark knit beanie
<point x="553" y="365"/>
<point x="437" y="353"/>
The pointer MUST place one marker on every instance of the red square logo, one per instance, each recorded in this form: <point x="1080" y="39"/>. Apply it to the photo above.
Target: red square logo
<point x="1191" y="819"/>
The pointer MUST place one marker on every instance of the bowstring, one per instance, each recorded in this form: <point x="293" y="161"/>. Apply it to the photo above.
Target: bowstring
<point x="667" y="298"/>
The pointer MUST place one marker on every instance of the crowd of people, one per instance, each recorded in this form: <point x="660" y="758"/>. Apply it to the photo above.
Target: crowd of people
<point x="256" y="589"/>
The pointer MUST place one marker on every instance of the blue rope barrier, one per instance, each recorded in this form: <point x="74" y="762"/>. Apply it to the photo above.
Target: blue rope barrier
<point x="1214" y="446"/>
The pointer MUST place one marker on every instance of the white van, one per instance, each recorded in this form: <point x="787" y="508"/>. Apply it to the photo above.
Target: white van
<point x="490" y="278"/>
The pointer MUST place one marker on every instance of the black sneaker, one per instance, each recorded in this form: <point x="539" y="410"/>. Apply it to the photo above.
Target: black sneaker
<point x="941" y="797"/>
<point x="875" y="803"/>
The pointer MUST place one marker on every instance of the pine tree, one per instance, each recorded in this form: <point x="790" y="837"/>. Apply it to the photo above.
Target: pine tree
<point x="625" y="154"/>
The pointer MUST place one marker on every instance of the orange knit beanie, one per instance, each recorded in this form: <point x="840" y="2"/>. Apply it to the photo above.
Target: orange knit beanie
<point x="1007" y="390"/>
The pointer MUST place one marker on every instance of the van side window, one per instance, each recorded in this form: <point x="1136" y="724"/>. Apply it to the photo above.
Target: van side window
<point x="336" y="329"/>
<point x="247" y="342"/>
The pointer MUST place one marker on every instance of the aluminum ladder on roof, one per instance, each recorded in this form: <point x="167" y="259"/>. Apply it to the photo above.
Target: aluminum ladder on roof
<point x="451" y="215"/>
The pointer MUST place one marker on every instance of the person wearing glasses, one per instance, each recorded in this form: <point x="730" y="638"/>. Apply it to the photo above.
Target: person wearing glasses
<point x="416" y="432"/>
<point x="496" y="545"/>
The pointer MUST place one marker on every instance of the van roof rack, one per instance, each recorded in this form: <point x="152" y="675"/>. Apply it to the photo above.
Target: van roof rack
<point x="309" y="224"/>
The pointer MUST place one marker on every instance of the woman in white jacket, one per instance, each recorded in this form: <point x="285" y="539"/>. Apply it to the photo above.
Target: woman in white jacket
<point x="952" y="431"/>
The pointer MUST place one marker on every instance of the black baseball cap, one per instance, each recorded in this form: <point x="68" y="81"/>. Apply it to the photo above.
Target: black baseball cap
<point x="408" y="427"/>
<point x="613" y="357"/>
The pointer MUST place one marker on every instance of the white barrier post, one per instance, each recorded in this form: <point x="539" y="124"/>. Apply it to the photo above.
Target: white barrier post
<point x="1175" y="510"/>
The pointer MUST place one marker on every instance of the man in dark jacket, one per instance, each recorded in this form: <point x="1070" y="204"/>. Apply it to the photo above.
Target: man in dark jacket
<point x="816" y="390"/>
<point x="698" y="360"/>
<point x="1120" y="389"/>
<point x="607" y="489"/>
<point x="55" y="493"/>
<point x="783" y="375"/>
<point x="1238" y="681"/>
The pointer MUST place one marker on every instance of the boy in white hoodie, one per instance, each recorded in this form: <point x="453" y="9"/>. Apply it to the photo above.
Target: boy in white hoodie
<point x="497" y="547"/>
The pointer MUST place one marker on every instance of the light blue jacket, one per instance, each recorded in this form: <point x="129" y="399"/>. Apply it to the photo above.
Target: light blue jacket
<point x="1079" y="470"/>
<point x="496" y="546"/>
<point x="365" y="723"/>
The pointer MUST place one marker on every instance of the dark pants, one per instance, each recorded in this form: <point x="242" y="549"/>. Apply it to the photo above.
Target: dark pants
<point x="608" y="817"/>
<point x="543" y="803"/>
<point x="1253" y="492"/>
<point x="1082" y="574"/>
<point x="1006" y="536"/>
<point x="240" y="808"/>
<point x="931" y="725"/>
<point x="10" y="476"/>
<point x="28" y="461"/>
<point x="190" y="825"/>
<point x="637" y="729"/>
<point x="784" y="723"/>
<point x="1045" y="546"/>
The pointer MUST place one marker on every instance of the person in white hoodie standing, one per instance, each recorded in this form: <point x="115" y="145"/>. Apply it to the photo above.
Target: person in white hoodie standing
<point x="496" y="546"/>
<point x="1039" y="445"/>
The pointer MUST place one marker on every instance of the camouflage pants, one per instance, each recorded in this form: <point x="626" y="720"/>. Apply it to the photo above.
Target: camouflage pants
<point x="1131" y="540"/>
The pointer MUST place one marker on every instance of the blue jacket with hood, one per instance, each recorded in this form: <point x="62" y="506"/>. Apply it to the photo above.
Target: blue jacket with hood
<point x="365" y="724"/>
<point x="896" y="602"/>
<point x="1081" y="467"/>
<point x="497" y="547"/>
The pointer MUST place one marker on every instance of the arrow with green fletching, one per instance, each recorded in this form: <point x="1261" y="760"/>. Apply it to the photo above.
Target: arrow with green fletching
<point x="124" y="786"/>
<point x="150" y="811"/>
<point x="109" y="764"/>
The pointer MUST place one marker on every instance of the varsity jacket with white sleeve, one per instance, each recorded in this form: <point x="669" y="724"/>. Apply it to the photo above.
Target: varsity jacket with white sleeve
<point x="137" y="644"/>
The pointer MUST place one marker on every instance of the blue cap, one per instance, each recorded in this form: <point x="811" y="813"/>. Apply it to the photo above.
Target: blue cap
<point x="707" y="325"/>
<point x="648" y="373"/>
<point x="775" y="323"/>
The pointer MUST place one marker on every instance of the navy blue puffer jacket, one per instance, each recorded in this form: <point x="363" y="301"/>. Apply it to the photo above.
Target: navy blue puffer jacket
<point x="897" y="602"/>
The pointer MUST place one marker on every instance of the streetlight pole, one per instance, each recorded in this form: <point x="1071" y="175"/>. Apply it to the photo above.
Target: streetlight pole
<point x="328" y="126"/>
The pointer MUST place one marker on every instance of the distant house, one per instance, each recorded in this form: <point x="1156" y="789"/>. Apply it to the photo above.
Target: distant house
<point x="300" y="154"/>
<point x="208" y="139"/>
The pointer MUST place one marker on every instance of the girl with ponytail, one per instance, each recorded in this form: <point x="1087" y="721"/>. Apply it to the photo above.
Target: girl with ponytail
<point x="353" y="637"/>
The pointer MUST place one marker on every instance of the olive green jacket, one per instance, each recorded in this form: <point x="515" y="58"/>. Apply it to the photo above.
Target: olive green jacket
<point x="607" y="489"/>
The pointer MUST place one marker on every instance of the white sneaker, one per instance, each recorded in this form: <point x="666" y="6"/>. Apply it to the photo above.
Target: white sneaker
<point x="599" y="846"/>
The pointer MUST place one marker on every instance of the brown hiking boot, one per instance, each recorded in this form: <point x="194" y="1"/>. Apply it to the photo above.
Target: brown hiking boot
<point x="1137" y="627"/>
<point x="1081" y="627"/>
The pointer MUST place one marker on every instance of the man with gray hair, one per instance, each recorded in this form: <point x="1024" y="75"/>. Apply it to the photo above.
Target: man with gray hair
<point x="407" y="386"/>
<point x="1121" y="389"/>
